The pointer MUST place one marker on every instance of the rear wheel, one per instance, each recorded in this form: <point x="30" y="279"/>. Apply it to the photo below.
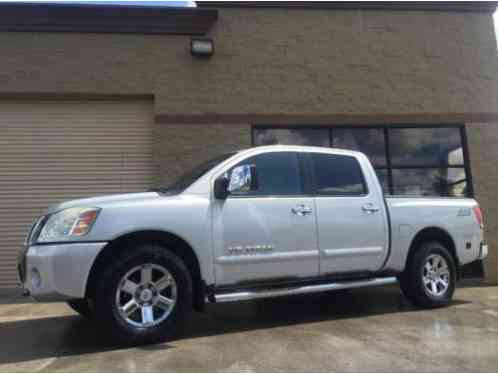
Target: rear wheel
<point x="430" y="276"/>
<point x="145" y="296"/>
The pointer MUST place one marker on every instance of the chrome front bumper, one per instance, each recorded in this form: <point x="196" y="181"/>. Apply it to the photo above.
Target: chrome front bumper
<point x="57" y="272"/>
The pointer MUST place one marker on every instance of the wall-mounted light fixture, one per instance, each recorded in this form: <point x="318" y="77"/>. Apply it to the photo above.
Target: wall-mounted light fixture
<point x="202" y="47"/>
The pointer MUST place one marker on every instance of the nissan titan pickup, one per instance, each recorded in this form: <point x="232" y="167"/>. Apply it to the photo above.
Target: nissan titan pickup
<point x="264" y="222"/>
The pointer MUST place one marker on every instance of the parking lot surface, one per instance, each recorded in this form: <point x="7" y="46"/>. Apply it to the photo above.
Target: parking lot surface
<point x="359" y="330"/>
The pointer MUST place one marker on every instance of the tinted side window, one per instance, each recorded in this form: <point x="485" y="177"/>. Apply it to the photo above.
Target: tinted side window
<point x="278" y="174"/>
<point x="337" y="175"/>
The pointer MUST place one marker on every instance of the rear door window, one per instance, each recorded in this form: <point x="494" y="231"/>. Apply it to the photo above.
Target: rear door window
<point x="337" y="175"/>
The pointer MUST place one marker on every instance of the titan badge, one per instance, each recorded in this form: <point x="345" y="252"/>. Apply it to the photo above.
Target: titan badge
<point x="249" y="250"/>
<point x="463" y="212"/>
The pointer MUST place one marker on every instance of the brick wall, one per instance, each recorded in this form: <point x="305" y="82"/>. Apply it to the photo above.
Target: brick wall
<point x="483" y="148"/>
<point x="181" y="147"/>
<point x="276" y="61"/>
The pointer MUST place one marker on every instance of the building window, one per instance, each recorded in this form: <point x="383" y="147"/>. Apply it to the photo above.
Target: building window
<point x="315" y="137"/>
<point x="417" y="160"/>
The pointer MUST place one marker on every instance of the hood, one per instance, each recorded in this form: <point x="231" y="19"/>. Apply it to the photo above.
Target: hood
<point x="102" y="201"/>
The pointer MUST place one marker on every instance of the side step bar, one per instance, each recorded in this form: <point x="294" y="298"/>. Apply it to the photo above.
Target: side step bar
<point x="276" y="292"/>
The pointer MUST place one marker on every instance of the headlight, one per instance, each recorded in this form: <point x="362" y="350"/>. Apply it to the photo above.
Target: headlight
<point x="67" y="224"/>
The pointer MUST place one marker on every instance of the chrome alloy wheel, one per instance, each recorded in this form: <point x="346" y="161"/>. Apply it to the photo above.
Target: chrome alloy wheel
<point x="436" y="275"/>
<point x="146" y="295"/>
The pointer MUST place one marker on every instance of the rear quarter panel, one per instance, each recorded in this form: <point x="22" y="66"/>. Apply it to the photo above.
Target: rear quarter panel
<point x="410" y="215"/>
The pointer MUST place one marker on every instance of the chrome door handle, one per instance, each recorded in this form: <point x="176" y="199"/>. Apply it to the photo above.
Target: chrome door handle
<point x="369" y="208"/>
<point x="301" y="210"/>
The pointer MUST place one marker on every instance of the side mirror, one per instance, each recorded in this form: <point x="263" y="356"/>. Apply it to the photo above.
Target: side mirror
<point x="243" y="179"/>
<point x="221" y="188"/>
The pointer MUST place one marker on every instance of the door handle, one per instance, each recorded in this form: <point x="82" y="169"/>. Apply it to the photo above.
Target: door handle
<point x="369" y="208"/>
<point x="301" y="210"/>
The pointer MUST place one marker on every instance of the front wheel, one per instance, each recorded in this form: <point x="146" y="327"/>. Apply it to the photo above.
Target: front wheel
<point x="430" y="276"/>
<point x="145" y="296"/>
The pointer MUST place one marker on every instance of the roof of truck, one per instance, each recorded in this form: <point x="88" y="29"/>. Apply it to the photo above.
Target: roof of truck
<point x="302" y="148"/>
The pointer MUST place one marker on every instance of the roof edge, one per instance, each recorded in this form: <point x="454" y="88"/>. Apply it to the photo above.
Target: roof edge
<point x="32" y="17"/>
<point x="449" y="6"/>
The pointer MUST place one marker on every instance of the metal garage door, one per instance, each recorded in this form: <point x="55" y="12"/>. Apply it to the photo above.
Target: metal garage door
<point x="59" y="150"/>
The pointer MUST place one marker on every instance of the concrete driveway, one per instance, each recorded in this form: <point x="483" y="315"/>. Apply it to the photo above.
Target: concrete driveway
<point x="358" y="330"/>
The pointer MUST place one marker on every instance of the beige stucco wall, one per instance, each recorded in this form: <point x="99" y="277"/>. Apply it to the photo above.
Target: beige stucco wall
<point x="483" y="140"/>
<point x="276" y="61"/>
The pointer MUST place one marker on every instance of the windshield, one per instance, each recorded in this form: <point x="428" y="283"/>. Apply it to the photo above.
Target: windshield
<point x="190" y="177"/>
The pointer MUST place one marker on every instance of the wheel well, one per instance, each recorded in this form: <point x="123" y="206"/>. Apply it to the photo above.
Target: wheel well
<point x="433" y="234"/>
<point x="174" y="243"/>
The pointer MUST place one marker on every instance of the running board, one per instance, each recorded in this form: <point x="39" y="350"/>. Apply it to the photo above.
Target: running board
<point x="298" y="290"/>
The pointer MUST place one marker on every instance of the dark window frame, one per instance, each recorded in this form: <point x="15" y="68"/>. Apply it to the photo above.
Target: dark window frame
<point x="389" y="165"/>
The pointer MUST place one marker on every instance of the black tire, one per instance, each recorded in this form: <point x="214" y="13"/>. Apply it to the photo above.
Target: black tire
<point x="106" y="308"/>
<point x="412" y="283"/>
<point x="82" y="307"/>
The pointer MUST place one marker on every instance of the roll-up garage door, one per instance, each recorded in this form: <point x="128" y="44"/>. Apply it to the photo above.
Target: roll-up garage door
<point x="52" y="151"/>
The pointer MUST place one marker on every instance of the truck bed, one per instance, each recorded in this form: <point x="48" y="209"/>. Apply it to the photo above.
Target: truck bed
<point x="408" y="215"/>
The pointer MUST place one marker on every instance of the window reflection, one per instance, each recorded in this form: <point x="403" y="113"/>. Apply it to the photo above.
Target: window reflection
<point x="423" y="160"/>
<point x="313" y="137"/>
<point x="383" y="179"/>
<point x="368" y="141"/>
<point x="430" y="182"/>
<point x="425" y="146"/>
<point x="456" y="181"/>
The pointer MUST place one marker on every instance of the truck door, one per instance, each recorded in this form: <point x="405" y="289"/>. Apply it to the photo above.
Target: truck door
<point x="270" y="232"/>
<point x="351" y="217"/>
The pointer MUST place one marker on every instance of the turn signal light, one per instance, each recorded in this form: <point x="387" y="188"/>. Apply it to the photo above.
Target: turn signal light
<point x="83" y="223"/>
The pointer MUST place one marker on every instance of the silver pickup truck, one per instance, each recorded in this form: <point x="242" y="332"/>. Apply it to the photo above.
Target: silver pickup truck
<point x="263" y="222"/>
